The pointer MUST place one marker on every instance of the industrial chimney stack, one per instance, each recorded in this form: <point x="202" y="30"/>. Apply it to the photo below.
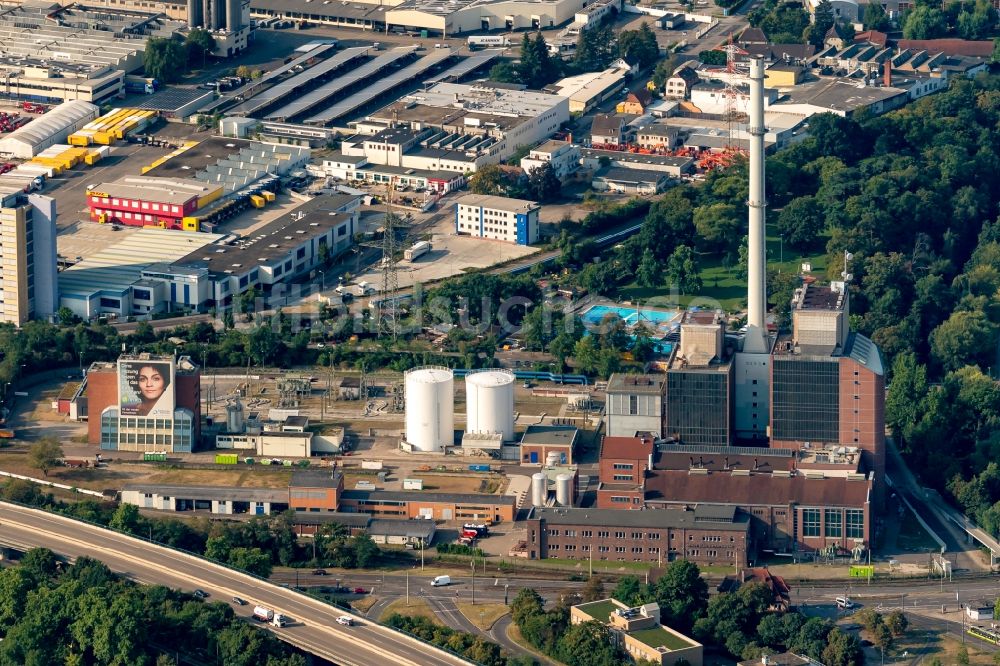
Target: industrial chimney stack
<point x="756" y="337"/>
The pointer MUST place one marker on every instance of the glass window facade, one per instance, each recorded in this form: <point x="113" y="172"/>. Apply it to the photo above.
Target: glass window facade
<point x="806" y="400"/>
<point x="855" y="524"/>
<point x="834" y="524"/>
<point x="698" y="407"/>
<point x="810" y="522"/>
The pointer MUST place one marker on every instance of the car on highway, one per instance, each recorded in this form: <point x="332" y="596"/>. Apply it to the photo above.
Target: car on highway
<point x="239" y="601"/>
<point x="319" y="572"/>
<point x="360" y="590"/>
<point x="345" y="620"/>
<point x="201" y="594"/>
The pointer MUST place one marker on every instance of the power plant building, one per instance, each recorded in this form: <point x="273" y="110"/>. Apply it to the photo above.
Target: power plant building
<point x="635" y="404"/>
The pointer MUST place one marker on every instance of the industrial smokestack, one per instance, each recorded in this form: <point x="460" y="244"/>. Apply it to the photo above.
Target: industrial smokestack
<point x="888" y="76"/>
<point x="756" y="337"/>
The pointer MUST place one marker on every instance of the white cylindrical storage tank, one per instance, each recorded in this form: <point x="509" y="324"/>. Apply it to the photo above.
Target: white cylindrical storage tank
<point x="234" y="416"/>
<point x="539" y="489"/>
<point x="564" y="490"/>
<point x="552" y="458"/>
<point x="430" y="409"/>
<point x="489" y="399"/>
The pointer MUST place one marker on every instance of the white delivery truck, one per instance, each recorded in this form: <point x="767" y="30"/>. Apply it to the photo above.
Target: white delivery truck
<point x="441" y="581"/>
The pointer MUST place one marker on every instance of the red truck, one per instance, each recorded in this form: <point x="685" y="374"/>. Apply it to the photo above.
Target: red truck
<point x="31" y="107"/>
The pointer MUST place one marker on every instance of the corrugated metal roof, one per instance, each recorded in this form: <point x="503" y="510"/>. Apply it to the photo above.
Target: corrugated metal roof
<point x="64" y="116"/>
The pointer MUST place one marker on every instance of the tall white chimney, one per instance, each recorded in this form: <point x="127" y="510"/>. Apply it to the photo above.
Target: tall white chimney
<point x="756" y="337"/>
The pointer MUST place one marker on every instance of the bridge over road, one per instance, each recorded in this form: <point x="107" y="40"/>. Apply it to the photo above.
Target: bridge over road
<point x="313" y="625"/>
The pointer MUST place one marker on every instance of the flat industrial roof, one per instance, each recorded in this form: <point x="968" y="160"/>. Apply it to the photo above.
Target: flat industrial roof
<point x="172" y="99"/>
<point x="213" y="492"/>
<point x="497" y="203"/>
<point x="663" y="518"/>
<point x="152" y="188"/>
<point x="628" y="383"/>
<point x="118" y="266"/>
<point x="542" y="435"/>
<point x="419" y="495"/>
<point x="191" y="160"/>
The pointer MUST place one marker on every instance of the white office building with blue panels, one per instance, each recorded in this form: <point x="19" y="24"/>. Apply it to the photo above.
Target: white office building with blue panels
<point x="497" y="218"/>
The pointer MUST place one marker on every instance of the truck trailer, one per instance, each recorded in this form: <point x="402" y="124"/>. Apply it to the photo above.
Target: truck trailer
<point x="486" y="41"/>
<point x="417" y="250"/>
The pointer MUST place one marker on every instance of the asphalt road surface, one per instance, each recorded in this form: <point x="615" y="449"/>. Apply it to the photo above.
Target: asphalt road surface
<point x="312" y="624"/>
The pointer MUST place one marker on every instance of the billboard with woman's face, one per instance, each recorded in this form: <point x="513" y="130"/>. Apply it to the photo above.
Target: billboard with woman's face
<point x="146" y="388"/>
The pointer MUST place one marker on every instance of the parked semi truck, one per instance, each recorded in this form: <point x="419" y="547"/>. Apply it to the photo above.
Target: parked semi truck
<point x="262" y="614"/>
<point x="486" y="41"/>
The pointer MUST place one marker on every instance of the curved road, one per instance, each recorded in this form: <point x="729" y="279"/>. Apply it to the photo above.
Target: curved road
<point x="312" y="624"/>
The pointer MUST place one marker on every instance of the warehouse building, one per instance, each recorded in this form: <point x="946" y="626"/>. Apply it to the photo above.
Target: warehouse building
<point x="28" y="286"/>
<point x="149" y="201"/>
<point x="461" y="113"/>
<point x="497" y="218"/>
<point x="27" y="141"/>
<point x="77" y="34"/>
<point x="115" y="281"/>
<point x="430" y="506"/>
<point x="549" y="445"/>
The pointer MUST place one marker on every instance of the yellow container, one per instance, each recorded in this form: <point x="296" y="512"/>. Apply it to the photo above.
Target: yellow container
<point x="92" y="158"/>
<point x="79" y="140"/>
<point x="190" y="224"/>
<point x="268" y="196"/>
<point x="257" y="201"/>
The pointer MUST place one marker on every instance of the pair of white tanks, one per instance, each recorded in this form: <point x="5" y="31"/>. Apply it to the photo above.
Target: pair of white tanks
<point x="430" y="406"/>
<point x="540" y="489"/>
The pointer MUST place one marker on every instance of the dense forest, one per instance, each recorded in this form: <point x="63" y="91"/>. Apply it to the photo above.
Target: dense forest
<point x="84" y="615"/>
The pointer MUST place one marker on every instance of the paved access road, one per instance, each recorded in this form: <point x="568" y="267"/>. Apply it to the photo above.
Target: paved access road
<point x="312" y="624"/>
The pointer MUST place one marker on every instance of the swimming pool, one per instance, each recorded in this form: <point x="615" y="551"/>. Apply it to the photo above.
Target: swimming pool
<point x="630" y="316"/>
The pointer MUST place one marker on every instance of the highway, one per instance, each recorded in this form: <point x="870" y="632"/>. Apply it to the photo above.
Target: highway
<point x="312" y="624"/>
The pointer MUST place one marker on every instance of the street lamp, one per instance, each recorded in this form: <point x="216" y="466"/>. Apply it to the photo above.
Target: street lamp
<point x="323" y="279"/>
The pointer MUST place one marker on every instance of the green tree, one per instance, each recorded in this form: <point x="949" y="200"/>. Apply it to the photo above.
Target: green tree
<point x="648" y="274"/>
<point x="15" y="583"/>
<point x="664" y="70"/>
<point x="40" y="564"/>
<point x="588" y="644"/>
<point x="630" y="591"/>
<point x="199" y="45"/>
<point x="823" y="20"/>
<point x="875" y="17"/>
<point x="251" y="560"/>
<point x="366" y="553"/>
<point x="489" y="180"/>
<point x="682" y="594"/>
<point x="978" y="23"/>
<point x="639" y="47"/>
<point x="882" y="636"/>
<point x="906" y="391"/>
<point x="924" y="22"/>
<point x="527" y="603"/>
<point x="228" y="321"/>
<point x="66" y="317"/>
<point x="967" y="337"/>
<point x="842" y="649"/>
<point x="897" y="622"/>
<point x="505" y="72"/>
<point x="592" y="591"/>
<point x="801" y="223"/>
<point x="45" y="454"/>
<point x="585" y="355"/>
<point x="682" y="271"/>
<point x="543" y="183"/>
<point x="963" y="656"/>
<point x="165" y="59"/>
<point x="126" y="518"/>
<point x="718" y="226"/>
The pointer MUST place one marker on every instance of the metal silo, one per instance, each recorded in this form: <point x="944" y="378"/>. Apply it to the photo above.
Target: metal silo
<point x="489" y="399"/>
<point x="539" y="489"/>
<point x="430" y="409"/>
<point x="234" y="416"/>
<point x="564" y="489"/>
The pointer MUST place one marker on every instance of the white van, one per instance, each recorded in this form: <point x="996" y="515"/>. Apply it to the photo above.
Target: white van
<point x="844" y="602"/>
<point x="440" y="581"/>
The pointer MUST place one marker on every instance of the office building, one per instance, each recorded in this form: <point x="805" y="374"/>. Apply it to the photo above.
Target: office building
<point x="638" y="632"/>
<point x="28" y="286"/>
<point x="497" y="218"/>
<point x="149" y="201"/>
<point x="144" y="403"/>
<point x="562" y="156"/>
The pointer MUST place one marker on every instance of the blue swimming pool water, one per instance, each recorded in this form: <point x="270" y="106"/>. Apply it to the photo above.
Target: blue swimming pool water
<point x="595" y="314"/>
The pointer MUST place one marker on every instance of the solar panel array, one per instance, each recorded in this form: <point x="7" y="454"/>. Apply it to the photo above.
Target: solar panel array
<point x="331" y="88"/>
<point x="464" y="67"/>
<point x="287" y="86"/>
<point x="380" y="87"/>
